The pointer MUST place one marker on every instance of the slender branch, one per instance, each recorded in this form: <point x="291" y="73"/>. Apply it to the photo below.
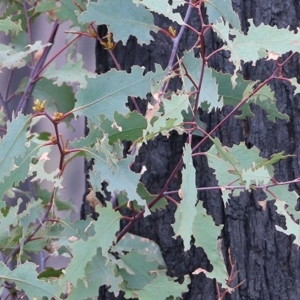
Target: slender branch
<point x="54" y="57"/>
<point x="179" y="36"/>
<point x="31" y="82"/>
<point x="28" y="29"/>
<point x="179" y="164"/>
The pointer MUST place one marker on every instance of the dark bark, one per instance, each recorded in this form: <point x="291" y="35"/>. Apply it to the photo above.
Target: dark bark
<point x="266" y="259"/>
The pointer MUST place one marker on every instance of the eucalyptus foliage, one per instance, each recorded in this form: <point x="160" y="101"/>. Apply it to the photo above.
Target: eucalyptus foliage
<point x="101" y="253"/>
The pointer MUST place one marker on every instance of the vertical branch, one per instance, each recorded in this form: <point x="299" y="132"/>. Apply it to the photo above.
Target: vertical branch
<point x="31" y="82"/>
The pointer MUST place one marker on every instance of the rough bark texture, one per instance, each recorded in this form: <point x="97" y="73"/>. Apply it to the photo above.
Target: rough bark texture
<point x="266" y="259"/>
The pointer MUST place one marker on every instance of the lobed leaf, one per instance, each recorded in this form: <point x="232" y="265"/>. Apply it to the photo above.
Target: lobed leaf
<point x="83" y="251"/>
<point x="141" y="245"/>
<point x="239" y="165"/>
<point x="12" y="144"/>
<point x="233" y="95"/>
<point x="123" y="19"/>
<point x="114" y="170"/>
<point x="25" y="277"/>
<point x="222" y="9"/>
<point x="186" y="210"/>
<point x="10" y="58"/>
<point x="99" y="271"/>
<point x="72" y="72"/>
<point x="255" y="45"/>
<point x="7" y="25"/>
<point x="206" y="235"/>
<point x="161" y="7"/>
<point x="161" y="287"/>
<point x="108" y="92"/>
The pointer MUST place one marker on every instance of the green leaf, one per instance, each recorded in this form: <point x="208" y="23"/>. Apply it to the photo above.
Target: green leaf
<point x="238" y="166"/>
<point x="292" y="227"/>
<point x="161" y="287"/>
<point x="290" y="198"/>
<point x="255" y="45"/>
<point x="103" y="96"/>
<point x="114" y="170"/>
<point x="92" y="137"/>
<point x="186" y="214"/>
<point x="173" y="110"/>
<point x="30" y="215"/>
<point x="84" y="250"/>
<point x="206" y="235"/>
<point x="218" y="9"/>
<point x="39" y="170"/>
<point x="25" y="277"/>
<point x="49" y="272"/>
<point x="99" y="271"/>
<point x="7" y="24"/>
<point x="129" y="127"/>
<point x="144" y="270"/>
<point x="21" y="168"/>
<point x="68" y="11"/>
<point x="59" y="99"/>
<point x="13" y="144"/>
<point x="10" y="58"/>
<point x="295" y="83"/>
<point x="209" y="89"/>
<point x="259" y="176"/>
<point x="142" y="246"/>
<point x="123" y="19"/>
<point x="72" y="72"/>
<point x="161" y="7"/>
<point x="144" y="194"/>
<point x="7" y="222"/>
<point x="232" y="96"/>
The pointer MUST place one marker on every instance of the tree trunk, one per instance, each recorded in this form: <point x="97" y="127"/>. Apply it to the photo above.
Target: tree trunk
<point x="267" y="261"/>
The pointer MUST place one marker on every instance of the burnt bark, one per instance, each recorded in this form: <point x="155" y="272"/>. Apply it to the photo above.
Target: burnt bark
<point x="266" y="259"/>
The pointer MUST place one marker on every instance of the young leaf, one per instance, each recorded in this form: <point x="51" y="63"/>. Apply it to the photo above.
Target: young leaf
<point x="12" y="144"/>
<point x="108" y="92"/>
<point x="25" y="277"/>
<point x="186" y="209"/>
<point x="206" y="235"/>
<point x="123" y="19"/>
<point x="7" y="24"/>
